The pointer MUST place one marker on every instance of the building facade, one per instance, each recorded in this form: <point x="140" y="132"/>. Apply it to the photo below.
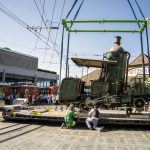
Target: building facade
<point x="18" y="68"/>
<point x="135" y="67"/>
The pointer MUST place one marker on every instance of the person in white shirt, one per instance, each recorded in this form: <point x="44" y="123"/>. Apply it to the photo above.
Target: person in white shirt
<point x="54" y="99"/>
<point x="93" y="118"/>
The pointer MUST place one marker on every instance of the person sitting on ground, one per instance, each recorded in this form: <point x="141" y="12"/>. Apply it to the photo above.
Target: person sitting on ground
<point x="69" y="118"/>
<point x="93" y="118"/>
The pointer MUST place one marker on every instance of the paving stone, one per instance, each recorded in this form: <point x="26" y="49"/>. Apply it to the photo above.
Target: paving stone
<point x="53" y="138"/>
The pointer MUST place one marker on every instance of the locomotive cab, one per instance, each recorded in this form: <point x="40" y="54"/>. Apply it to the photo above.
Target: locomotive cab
<point x="71" y="90"/>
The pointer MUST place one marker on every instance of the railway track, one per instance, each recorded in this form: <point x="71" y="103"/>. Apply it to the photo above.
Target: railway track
<point x="17" y="130"/>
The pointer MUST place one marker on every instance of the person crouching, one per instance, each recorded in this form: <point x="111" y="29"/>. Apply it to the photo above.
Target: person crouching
<point x="69" y="117"/>
<point x="93" y="118"/>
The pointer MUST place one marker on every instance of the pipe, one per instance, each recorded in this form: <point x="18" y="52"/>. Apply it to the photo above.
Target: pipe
<point x="126" y="80"/>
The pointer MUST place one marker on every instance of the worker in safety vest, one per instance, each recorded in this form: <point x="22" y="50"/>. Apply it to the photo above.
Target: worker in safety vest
<point x="69" y="118"/>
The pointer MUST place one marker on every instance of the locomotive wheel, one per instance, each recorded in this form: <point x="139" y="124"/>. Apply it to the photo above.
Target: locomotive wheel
<point x="139" y="103"/>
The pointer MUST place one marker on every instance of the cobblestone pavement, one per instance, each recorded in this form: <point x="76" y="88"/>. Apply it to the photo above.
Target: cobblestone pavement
<point x="25" y="136"/>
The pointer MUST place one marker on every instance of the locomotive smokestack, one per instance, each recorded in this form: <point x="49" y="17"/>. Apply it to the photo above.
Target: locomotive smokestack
<point x="117" y="40"/>
<point x="116" y="47"/>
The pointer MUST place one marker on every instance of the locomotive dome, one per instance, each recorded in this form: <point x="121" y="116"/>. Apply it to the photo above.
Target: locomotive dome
<point x="116" y="47"/>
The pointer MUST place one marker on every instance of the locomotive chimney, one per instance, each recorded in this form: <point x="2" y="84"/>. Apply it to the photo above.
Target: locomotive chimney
<point x="116" y="47"/>
<point x="117" y="40"/>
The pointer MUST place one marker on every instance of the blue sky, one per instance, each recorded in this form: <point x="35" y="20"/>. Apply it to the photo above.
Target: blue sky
<point x="92" y="45"/>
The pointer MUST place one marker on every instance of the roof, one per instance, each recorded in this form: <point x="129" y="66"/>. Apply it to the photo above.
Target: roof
<point x="94" y="75"/>
<point x="6" y="49"/>
<point x="138" y="61"/>
<point x="92" y="62"/>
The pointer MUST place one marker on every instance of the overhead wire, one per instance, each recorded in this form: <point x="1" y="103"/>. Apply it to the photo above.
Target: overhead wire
<point x="43" y="11"/>
<point x="45" y="25"/>
<point x="10" y="14"/>
<point x="41" y="16"/>
<point x="40" y="29"/>
<point x="46" y="19"/>
<point x="53" y="11"/>
<point x="49" y="35"/>
<point x="50" y="27"/>
<point x="51" y="21"/>
<point x="14" y="18"/>
<point x="59" y="22"/>
<point x="43" y="6"/>
<point x="54" y="45"/>
<point x="20" y="20"/>
<point x="45" y="22"/>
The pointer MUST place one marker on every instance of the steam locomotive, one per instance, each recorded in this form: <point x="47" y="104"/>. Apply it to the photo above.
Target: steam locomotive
<point x="112" y="89"/>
